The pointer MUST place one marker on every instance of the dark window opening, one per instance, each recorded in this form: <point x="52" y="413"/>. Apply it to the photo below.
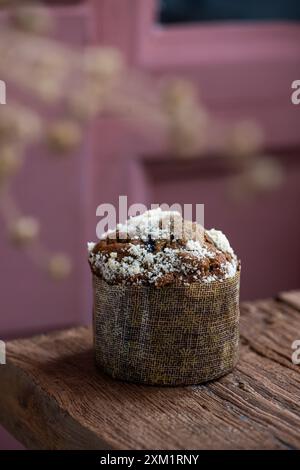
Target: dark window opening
<point x="186" y="11"/>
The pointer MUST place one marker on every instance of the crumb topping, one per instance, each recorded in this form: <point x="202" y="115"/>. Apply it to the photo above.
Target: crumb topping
<point x="160" y="248"/>
<point x="220" y="240"/>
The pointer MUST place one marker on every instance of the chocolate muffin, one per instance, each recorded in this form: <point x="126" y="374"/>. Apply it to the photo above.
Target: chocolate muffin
<point x="160" y="248"/>
<point x="166" y="301"/>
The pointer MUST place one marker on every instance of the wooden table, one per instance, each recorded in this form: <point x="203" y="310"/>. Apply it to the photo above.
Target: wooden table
<point x="53" y="397"/>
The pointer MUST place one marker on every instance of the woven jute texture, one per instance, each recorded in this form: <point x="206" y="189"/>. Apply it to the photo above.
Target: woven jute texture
<point x="168" y="336"/>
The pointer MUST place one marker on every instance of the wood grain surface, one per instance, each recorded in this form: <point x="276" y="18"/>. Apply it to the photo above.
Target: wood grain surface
<point x="53" y="397"/>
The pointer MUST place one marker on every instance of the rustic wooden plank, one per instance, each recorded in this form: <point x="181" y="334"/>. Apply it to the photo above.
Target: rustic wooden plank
<point x="52" y="396"/>
<point x="269" y="328"/>
<point x="292" y="298"/>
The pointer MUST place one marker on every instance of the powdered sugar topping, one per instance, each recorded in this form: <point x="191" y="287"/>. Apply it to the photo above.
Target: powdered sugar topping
<point x="155" y="223"/>
<point x="220" y="240"/>
<point x="139" y="263"/>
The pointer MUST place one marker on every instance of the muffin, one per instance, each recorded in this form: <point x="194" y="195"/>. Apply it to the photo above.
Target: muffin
<point x="166" y="301"/>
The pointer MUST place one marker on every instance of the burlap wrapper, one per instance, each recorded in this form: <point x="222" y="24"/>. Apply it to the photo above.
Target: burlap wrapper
<point x="167" y="336"/>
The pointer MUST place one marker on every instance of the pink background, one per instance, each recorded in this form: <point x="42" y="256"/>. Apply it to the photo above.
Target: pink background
<point x="241" y="71"/>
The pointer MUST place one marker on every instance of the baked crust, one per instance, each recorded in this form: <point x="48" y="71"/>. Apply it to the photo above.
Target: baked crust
<point x="180" y="261"/>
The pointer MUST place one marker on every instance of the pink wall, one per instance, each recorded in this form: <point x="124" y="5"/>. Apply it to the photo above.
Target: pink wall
<point x="241" y="72"/>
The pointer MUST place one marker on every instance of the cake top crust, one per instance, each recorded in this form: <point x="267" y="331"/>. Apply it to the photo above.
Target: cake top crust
<point x="161" y="248"/>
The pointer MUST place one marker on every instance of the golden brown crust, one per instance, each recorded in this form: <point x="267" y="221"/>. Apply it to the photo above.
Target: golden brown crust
<point x="193" y="267"/>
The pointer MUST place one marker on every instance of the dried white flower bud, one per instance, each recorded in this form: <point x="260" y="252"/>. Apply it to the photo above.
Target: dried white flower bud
<point x="246" y="139"/>
<point x="31" y="19"/>
<point x="24" y="230"/>
<point x="10" y="161"/>
<point x="266" y="174"/>
<point x="60" y="266"/>
<point x="64" y="136"/>
<point x="103" y="63"/>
